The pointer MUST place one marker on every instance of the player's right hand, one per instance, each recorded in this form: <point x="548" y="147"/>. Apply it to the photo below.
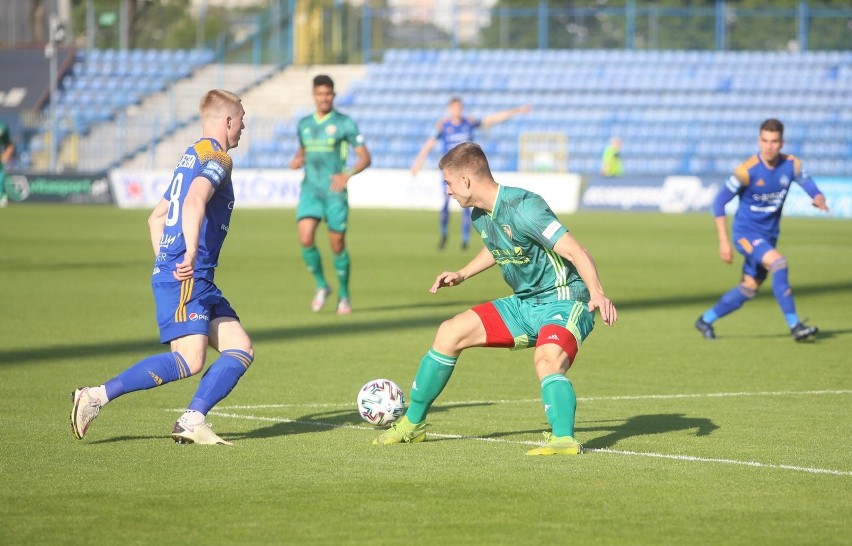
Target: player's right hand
<point x="447" y="278"/>
<point x="726" y="253"/>
<point x="297" y="162"/>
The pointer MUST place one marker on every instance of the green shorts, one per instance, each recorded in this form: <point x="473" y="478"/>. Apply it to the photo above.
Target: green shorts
<point x="513" y="323"/>
<point x="324" y="204"/>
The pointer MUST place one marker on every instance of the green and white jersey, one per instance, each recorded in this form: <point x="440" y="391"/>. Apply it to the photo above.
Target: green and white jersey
<point x="326" y="142"/>
<point x="520" y="233"/>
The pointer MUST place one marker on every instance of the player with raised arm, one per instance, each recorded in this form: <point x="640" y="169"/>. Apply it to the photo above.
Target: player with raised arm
<point x="452" y="131"/>
<point x="324" y="140"/>
<point x="762" y="183"/>
<point x="556" y="291"/>
<point x="188" y="227"/>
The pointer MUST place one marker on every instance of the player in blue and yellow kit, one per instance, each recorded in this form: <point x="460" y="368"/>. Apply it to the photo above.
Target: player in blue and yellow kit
<point x="188" y="227"/>
<point x="452" y="131"/>
<point x="324" y="140"/>
<point x="556" y="291"/>
<point x="762" y="183"/>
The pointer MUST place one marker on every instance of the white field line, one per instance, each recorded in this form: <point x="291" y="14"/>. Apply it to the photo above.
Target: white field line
<point x="689" y="458"/>
<point x="579" y="399"/>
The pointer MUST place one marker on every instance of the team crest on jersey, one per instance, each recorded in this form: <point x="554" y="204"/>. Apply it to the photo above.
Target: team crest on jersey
<point x="507" y="230"/>
<point x="331" y="130"/>
<point x="785" y="181"/>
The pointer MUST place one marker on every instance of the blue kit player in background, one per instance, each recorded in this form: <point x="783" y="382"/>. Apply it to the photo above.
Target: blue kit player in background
<point x="188" y="227"/>
<point x="762" y="183"/>
<point x="556" y="291"/>
<point x="324" y="140"/>
<point x="452" y="131"/>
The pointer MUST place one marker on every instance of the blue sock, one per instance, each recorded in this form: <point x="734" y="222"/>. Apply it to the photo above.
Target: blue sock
<point x="732" y="300"/>
<point x="783" y="292"/>
<point x="148" y="373"/>
<point x="445" y="216"/>
<point x="220" y="379"/>
<point x="466" y="224"/>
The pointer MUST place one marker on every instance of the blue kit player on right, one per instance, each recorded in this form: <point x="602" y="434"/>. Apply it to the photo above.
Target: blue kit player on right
<point x="762" y="183"/>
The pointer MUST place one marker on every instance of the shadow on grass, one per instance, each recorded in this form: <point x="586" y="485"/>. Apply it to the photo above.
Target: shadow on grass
<point x="620" y="429"/>
<point x="352" y="325"/>
<point x="823" y="334"/>
<point x="643" y="425"/>
<point x="323" y="421"/>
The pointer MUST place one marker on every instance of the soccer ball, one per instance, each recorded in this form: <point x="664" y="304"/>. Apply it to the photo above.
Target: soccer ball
<point x="381" y="402"/>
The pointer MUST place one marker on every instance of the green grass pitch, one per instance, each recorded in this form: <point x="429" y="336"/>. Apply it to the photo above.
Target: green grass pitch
<point x="744" y="440"/>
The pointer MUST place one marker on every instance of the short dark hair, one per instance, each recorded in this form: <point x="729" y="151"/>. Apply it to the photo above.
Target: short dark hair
<point x="323" y="80"/>
<point x="773" y="126"/>
<point x="466" y="157"/>
<point x="455" y="98"/>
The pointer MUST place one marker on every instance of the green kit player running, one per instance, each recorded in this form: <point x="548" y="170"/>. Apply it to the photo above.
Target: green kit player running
<point x="7" y="151"/>
<point x="556" y="290"/>
<point x="324" y="138"/>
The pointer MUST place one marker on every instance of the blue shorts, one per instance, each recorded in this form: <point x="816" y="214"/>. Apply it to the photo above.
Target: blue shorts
<point x="185" y="308"/>
<point x="754" y="247"/>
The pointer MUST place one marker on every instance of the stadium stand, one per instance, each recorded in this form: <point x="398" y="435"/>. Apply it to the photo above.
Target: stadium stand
<point x="689" y="112"/>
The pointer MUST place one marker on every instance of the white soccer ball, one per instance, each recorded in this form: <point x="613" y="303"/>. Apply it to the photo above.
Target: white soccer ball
<point x="381" y="402"/>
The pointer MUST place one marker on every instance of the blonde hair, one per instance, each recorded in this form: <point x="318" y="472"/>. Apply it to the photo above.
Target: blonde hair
<point x="218" y="103"/>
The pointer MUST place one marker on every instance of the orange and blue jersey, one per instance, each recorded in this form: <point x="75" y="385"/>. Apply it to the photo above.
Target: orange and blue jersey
<point x="208" y="160"/>
<point x="762" y="191"/>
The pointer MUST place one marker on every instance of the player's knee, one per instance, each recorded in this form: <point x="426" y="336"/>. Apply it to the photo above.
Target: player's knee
<point x="448" y="337"/>
<point x="749" y="290"/>
<point x="749" y="285"/>
<point x="195" y="363"/>
<point x="778" y="265"/>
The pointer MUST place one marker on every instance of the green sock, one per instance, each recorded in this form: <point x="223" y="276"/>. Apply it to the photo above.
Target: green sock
<point x="313" y="260"/>
<point x="341" y="266"/>
<point x="560" y="403"/>
<point x="432" y="376"/>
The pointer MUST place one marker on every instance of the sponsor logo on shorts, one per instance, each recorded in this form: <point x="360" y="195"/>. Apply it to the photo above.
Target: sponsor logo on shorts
<point x="196" y="316"/>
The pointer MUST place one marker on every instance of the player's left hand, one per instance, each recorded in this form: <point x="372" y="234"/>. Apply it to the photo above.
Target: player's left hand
<point x="609" y="314"/>
<point x="819" y="202"/>
<point x="339" y="182"/>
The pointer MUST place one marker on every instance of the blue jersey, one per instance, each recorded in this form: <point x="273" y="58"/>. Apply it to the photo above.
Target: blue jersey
<point x="762" y="191"/>
<point x="451" y="134"/>
<point x="204" y="159"/>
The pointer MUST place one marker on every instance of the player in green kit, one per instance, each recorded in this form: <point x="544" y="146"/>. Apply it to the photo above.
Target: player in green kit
<point x="324" y="140"/>
<point x="556" y="291"/>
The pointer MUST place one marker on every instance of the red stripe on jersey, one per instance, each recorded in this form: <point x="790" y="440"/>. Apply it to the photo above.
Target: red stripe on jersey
<point x="551" y="333"/>
<point x="496" y="332"/>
